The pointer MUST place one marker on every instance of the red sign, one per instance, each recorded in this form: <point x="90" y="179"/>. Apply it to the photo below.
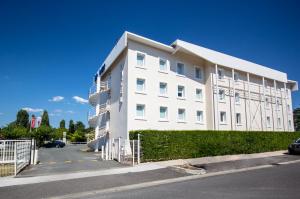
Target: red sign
<point x="32" y="125"/>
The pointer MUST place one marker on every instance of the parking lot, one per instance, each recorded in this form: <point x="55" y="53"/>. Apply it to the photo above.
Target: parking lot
<point x="71" y="158"/>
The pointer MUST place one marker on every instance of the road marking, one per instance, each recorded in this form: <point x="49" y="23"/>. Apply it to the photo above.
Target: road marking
<point x="68" y="161"/>
<point x="52" y="162"/>
<point x="155" y="183"/>
<point x="288" y="162"/>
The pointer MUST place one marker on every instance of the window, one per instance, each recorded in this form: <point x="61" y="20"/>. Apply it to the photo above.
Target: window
<point x="180" y="92"/>
<point x="267" y="102"/>
<point x="277" y="104"/>
<point x="268" y="121"/>
<point x="162" y="88"/>
<point x="223" y="117"/>
<point x="140" y="85"/>
<point x="222" y="95"/>
<point x="163" y="113"/>
<point x="140" y="111"/>
<point x="198" y="73"/>
<point x="162" y="65"/>
<point x="290" y="124"/>
<point x="266" y="83"/>
<point x="140" y="59"/>
<point x="278" y="122"/>
<point x="237" y="98"/>
<point x="199" y="95"/>
<point x="181" y="114"/>
<point x="220" y="73"/>
<point x="199" y="116"/>
<point x="180" y="68"/>
<point x="236" y="76"/>
<point x="238" y="118"/>
<point x="288" y="107"/>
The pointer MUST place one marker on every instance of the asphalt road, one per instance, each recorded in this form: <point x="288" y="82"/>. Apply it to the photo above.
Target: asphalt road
<point x="276" y="182"/>
<point x="69" y="159"/>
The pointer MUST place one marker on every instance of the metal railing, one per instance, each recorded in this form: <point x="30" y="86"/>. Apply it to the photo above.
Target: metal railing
<point x="14" y="156"/>
<point x="102" y="108"/>
<point x="104" y="86"/>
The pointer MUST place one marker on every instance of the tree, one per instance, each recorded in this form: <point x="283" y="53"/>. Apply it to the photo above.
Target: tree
<point x="79" y="126"/>
<point x="45" y="119"/>
<point x="15" y="132"/>
<point x="62" y="124"/>
<point x="42" y="134"/>
<point x="22" y="118"/>
<point x="296" y="115"/>
<point x="71" y="127"/>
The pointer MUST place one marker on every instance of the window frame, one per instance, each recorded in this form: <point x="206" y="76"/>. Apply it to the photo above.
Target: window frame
<point x="144" y="86"/>
<point x="183" y="72"/>
<point x="221" y="100"/>
<point x="166" y="114"/>
<point x="235" y="98"/>
<point x="144" y="112"/>
<point x="166" y="62"/>
<point x="268" y="118"/>
<point x="201" y="98"/>
<point x="144" y="61"/>
<point x="222" y="76"/>
<point x="184" y="92"/>
<point x="202" y="117"/>
<point x="184" y="119"/>
<point x="238" y="119"/>
<point x="159" y="89"/>
<point x="225" y="114"/>
<point x="200" y="73"/>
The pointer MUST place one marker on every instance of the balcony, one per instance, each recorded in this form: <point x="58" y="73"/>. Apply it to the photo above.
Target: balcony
<point x="96" y="112"/>
<point x="94" y="92"/>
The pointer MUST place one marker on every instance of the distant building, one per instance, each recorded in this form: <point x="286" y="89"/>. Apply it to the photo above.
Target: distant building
<point x="144" y="84"/>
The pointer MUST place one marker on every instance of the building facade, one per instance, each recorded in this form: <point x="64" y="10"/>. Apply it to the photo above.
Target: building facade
<point x="144" y="84"/>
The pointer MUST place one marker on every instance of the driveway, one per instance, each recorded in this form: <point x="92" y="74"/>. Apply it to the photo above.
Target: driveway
<point x="71" y="158"/>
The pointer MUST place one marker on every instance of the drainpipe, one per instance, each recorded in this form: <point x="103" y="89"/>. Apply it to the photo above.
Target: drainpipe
<point x="249" y="101"/>
<point x="217" y="92"/>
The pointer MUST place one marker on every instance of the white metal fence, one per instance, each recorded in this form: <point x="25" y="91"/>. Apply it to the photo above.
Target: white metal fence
<point x="114" y="150"/>
<point x="14" y="156"/>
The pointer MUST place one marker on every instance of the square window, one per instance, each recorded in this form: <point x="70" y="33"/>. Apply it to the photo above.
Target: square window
<point x="199" y="116"/>
<point x="268" y="121"/>
<point x="163" y="112"/>
<point x="180" y="68"/>
<point x="181" y="114"/>
<point x="222" y="95"/>
<point x="237" y="98"/>
<point x="162" y="88"/>
<point x="198" y="73"/>
<point x="277" y="104"/>
<point x="180" y="92"/>
<point x="199" y="95"/>
<point x="162" y="65"/>
<point x="267" y="102"/>
<point x="238" y="118"/>
<point x="140" y="110"/>
<point x="223" y="117"/>
<point x="290" y="124"/>
<point x="140" y="59"/>
<point x="288" y="107"/>
<point x="140" y="85"/>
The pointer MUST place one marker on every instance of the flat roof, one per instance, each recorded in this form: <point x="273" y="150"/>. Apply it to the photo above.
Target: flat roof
<point x="205" y="53"/>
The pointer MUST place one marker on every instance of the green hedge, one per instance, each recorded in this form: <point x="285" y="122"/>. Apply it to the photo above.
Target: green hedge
<point x="168" y="145"/>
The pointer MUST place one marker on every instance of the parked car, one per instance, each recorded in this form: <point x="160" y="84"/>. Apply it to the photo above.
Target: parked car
<point x="294" y="148"/>
<point x="55" y="143"/>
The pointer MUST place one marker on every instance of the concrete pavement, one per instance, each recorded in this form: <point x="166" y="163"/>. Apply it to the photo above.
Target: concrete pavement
<point x="281" y="182"/>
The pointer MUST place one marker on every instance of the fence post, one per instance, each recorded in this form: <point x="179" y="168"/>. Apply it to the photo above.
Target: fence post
<point x="138" y="150"/>
<point x="3" y="156"/>
<point x="102" y="152"/>
<point x="106" y="150"/>
<point x="132" y="152"/>
<point x="32" y="151"/>
<point x="119" y="149"/>
<point x="110" y="149"/>
<point x="15" y="157"/>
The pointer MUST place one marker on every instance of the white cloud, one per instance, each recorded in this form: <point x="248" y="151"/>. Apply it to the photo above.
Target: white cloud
<point x="71" y="112"/>
<point x="56" y="99"/>
<point x="33" y="110"/>
<point x="51" y="114"/>
<point x="57" y="111"/>
<point x="80" y="100"/>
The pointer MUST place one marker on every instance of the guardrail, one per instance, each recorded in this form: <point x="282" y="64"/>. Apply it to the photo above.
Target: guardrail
<point x="14" y="156"/>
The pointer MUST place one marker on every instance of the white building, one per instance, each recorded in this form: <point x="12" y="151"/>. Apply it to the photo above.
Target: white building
<point x="144" y="84"/>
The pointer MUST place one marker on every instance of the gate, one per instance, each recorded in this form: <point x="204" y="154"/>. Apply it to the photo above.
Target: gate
<point x="14" y="156"/>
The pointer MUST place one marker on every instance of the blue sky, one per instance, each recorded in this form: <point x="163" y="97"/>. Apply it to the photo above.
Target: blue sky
<point x="53" y="48"/>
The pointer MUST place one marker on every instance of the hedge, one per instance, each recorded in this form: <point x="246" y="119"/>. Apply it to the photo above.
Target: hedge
<point x="167" y="145"/>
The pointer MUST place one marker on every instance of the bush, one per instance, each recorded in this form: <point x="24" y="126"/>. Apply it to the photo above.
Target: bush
<point x="78" y="136"/>
<point x="15" y="132"/>
<point x="168" y="145"/>
<point x="43" y="133"/>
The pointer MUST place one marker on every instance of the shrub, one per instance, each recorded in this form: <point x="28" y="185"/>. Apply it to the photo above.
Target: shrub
<point x="168" y="145"/>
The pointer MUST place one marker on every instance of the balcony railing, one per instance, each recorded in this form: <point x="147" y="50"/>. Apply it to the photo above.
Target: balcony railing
<point x="102" y="108"/>
<point x="104" y="86"/>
